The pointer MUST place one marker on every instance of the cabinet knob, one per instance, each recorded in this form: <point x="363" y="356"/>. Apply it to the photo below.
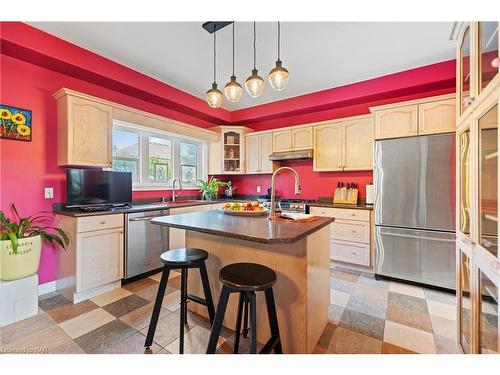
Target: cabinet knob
<point x="102" y="222"/>
<point x="353" y="231"/>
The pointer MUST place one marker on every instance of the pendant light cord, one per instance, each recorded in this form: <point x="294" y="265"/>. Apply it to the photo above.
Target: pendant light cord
<point x="278" y="41"/>
<point x="233" y="48"/>
<point x="254" y="42"/>
<point x="215" y="59"/>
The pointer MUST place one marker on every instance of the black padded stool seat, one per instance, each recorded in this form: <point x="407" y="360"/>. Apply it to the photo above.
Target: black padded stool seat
<point x="247" y="277"/>
<point x="183" y="257"/>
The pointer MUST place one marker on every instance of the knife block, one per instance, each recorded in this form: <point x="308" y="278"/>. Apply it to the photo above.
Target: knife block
<point x="345" y="196"/>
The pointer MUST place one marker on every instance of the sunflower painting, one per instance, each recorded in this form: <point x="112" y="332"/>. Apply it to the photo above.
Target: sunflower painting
<point x="15" y="123"/>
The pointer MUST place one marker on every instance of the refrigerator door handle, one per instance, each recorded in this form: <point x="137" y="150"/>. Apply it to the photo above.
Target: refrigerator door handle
<point x="418" y="237"/>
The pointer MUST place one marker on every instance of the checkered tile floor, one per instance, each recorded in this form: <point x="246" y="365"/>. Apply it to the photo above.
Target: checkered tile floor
<point x="366" y="316"/>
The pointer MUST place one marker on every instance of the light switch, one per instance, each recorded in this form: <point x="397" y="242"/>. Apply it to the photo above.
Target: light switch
<point x="49" y="193"/>
<point x="258" y="189"/>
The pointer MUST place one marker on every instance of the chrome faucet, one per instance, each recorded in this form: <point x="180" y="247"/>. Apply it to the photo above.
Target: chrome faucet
<point x="272" y="214"/>
<point x="173" y="188"/>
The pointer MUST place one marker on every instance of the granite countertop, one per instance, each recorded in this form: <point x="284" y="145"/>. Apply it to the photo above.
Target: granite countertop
<point x="255" y="229"/>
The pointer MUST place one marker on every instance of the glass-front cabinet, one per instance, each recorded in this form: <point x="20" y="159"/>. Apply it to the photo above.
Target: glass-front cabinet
<point x="478" y="257"/>
<point x="228" y="156"/>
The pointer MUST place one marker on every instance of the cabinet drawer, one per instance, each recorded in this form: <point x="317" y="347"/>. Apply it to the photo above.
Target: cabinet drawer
<point x="351" y="231"/>
<point x="99" y="222"/>
<point x="189" y="209"/>
<point x="341" y="213"/>
<point x="350" y="252"/>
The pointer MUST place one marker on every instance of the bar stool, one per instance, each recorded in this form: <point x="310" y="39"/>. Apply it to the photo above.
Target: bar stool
<point x="182" y="259"/>
<point x="246" y="279"/>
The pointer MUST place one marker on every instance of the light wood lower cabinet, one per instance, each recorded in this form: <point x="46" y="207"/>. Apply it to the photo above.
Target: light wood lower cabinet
<point x="351" y="235"/>
<point x="93" y="262"/>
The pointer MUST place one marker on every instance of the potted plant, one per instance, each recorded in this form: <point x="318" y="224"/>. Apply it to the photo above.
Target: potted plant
<point x="210" y="189"/>
<point x="21" y="243"/>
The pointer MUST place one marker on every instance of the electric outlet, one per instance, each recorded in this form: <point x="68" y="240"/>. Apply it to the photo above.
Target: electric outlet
<point x="49" y="193"/>
<point x="258" y="189"/>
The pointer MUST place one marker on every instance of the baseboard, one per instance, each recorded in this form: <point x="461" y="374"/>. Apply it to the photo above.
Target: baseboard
<point x="47" y="287"/>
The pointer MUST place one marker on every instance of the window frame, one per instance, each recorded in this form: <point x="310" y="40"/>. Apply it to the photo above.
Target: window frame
<point x="143" y="183"/>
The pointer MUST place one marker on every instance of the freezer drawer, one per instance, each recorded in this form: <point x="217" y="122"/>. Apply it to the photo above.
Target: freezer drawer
<point x="426" y="257"/>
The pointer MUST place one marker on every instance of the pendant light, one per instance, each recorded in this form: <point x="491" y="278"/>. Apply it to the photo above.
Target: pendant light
<point x="214" y="96"/>
<point x="233" y="89"/>
<point x="254" y="84"/>
<point x="278" y="77"/>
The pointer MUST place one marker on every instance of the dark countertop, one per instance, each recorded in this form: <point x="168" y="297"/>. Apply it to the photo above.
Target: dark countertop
<point x="359" y="206"/>
<point x="255" y="229"/>
<point x="61" y="210"/>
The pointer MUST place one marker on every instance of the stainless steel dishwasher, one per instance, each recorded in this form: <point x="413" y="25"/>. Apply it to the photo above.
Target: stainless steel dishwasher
<point x="144" y="242"/>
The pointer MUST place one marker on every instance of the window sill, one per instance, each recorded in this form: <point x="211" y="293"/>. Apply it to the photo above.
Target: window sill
<point x="163" y="187"/>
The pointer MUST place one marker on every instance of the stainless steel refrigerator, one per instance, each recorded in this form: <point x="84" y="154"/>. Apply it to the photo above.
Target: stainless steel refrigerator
<point x="414" y="203"/>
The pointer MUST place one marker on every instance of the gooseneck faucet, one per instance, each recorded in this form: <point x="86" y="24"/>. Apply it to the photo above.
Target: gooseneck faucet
<point x="173" y="188"/>
<point x="272" y="214"/>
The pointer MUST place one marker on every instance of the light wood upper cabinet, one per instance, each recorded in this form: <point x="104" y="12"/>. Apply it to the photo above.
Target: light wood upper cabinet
<point x="328" y="147"/>
<point x="293" y="139"/>
<point x="258" y="149"/>
<point x="437" y="117"/>
<point x="357" y="144"/>
<point x="84" y="129"/>
<point x="302" y="138"/>
<point x="396" y="122"/>
<point x="214" y="158"/>
<point x="282" y="141"/>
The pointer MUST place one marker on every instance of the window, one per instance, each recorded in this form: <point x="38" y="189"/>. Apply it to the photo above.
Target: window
<point x="155" y="157"/>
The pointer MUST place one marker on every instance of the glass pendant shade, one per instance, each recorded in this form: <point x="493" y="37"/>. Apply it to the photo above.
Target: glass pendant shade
<point x="214" y="97"/>
<point x="233" y="90"/>
<point x="255" y="84"/>
<point x="278" y="77"/>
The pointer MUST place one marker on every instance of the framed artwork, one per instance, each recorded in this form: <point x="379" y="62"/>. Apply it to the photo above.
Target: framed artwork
<point x="161" y="172"/>
<point x="188" y="173"/>
<point x="15" y="123"/>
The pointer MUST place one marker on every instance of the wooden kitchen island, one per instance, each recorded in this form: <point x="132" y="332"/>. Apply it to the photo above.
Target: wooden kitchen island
<point x="299" y="253"/>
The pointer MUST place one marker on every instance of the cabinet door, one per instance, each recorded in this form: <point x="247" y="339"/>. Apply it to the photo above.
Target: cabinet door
<point x="489" y="60"/>
<point x="465" y="79"/>
<point x="437" y="117"/>
<point x="99" y="258"/>
<point x="89" y="133"/>
<point x="358" y="144"/>
<point x="177" y="237"/>
<point x="214" y="158"/>
<point x="328" y="147"/>
<point x="282" y="141"/>
<point x="396" y="122"/>
<point x="266" y="149"/>
<point x="253" y="154"/>
<point x="302" y="138"/>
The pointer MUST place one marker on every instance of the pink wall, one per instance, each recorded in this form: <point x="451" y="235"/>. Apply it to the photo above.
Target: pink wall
<point x="313" y="184"/>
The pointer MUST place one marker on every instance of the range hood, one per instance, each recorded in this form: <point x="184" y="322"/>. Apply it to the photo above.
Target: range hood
<point x="292" y="155"/>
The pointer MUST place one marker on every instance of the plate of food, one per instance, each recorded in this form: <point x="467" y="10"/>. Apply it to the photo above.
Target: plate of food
<point x="244" y="209"/>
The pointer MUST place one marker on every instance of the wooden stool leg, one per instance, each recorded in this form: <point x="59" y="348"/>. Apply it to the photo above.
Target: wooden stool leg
<point x="183" y="309"/>
<point x="219" y="318"/>
<point x="253" y="324"/>
<point x="157" y="307"/>
<point x="208" y="293"/>
<point x="273" y="320"/>
<point x="237" y="330"/>
<point x="246" y="301"/>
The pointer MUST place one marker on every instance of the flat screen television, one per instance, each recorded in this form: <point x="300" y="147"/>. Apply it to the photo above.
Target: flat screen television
<point x="95" y="187"/>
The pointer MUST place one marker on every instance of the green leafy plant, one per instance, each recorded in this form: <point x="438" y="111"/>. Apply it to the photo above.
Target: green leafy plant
<point x="210" y="189"/>
<point x="34" y="225"/>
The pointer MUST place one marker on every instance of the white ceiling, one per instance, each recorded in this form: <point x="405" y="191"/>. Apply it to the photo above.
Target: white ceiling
<point x="319" y="55"/>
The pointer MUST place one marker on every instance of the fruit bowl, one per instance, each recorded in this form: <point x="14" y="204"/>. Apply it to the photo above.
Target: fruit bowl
<point x="244" y="213"/>
<point x="244" y="209"/>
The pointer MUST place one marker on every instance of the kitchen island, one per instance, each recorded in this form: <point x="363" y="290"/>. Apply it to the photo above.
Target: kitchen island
<point x="299" y="253"/>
